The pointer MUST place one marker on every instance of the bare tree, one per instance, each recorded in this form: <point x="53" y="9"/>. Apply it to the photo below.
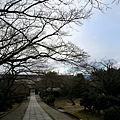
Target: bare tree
<point x="34" y="29"/>
<point x="116" y="1"/>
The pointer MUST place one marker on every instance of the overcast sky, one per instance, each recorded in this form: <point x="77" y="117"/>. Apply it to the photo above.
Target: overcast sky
<point x="100" y="35"/>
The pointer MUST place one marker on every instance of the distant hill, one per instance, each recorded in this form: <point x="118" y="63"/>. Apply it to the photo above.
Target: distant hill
<point x="87" y="76"/>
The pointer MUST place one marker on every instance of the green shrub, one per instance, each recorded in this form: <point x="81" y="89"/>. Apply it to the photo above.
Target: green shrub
<point x="100" y="103"/>
<point x="43" y="94"/>
<point x="113" y="113"/>
<point x="19" y="98"/>
<point x="87" y="100"/>
<point x="50" y="100"/>
<point x="5" y="105"/>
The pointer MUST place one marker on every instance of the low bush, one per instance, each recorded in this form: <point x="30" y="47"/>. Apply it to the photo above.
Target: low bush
<point x="50" y="100"/>
<point x="19" y="98"/>
<point x="87" y="100"/>
<point x="113" y="113"/>
<point x="5" y="105"/>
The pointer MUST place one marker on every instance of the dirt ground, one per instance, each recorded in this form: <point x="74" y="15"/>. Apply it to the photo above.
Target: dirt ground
<point x="76" y="109"/>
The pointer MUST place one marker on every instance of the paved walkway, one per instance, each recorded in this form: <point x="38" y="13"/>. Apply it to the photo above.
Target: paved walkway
<point x="34" y="111"/>
<point x="55" y="114"/>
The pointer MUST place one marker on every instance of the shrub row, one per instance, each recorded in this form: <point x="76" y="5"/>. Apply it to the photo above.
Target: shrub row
<point x="6" y="103"/>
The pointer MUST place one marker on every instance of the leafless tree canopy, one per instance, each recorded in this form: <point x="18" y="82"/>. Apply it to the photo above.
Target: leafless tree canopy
<point x="33" y="29"/>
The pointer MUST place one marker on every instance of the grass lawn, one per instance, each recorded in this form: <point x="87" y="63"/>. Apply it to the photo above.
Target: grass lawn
<point x="76" y="110"/>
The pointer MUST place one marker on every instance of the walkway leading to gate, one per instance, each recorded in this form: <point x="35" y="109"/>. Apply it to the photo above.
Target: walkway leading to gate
<point x="34" y="111"/>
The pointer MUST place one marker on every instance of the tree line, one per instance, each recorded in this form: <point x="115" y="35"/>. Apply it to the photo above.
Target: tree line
<point x="101" y="92"/>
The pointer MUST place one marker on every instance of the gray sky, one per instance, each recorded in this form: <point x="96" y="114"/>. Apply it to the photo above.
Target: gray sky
<point x="100" y="35"/>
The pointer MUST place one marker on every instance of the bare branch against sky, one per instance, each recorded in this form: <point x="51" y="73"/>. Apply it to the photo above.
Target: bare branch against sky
<point x="33" y="29"/>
